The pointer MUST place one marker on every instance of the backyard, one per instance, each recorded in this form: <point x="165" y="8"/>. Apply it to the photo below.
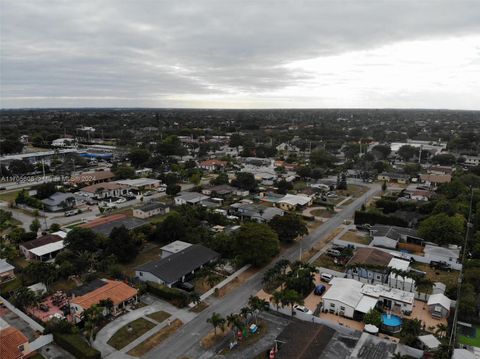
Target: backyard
<point x="124" y="336"/>
<point x="149" y="253"/>
<point x="435" y="275"/>
<point x="469" y="336"/>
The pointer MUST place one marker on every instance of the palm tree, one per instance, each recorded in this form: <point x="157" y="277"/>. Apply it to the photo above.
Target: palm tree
<point x="291" y="297"/>
<point x="245" y="312"/>
<point x="277" y="298"/>
<point x="257" y="305"/>
<point x="441" y="330"/>
<point x="91" y="318"/>
<point x="107" y="304"/>
<point x="216" y="320"/>
<point x="194" y="298"/>
<point x="234" y="321"/>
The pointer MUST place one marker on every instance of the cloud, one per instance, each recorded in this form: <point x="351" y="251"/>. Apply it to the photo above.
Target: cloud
<point x="222" y="53"/>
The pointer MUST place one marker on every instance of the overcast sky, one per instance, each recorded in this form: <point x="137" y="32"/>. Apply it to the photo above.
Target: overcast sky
<point x="240" y="54"/>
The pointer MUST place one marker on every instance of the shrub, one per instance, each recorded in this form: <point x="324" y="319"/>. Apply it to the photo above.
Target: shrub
<point x="173" y="295"/>
<point x="75" y="345"/>
<point x="379" y="218"/>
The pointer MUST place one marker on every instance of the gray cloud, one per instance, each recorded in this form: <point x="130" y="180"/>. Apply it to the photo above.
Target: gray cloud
<point x="143" y="52"/>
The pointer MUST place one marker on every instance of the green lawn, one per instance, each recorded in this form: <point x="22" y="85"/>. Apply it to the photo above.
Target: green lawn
<point x="327" y="262"/>
<point x="159" y="316"/>
<point x="450" y="279"/>
<point x="474" y="342"/>
<point x="11" y="285"/>
<point x="8" y="196"/>
<point x="123" y="337"/>
<point x="149" y="253"/>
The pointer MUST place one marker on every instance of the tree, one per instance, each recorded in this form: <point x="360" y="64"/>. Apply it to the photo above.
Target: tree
<point x="216" y="320"/>
<point x="406" y="152"/>
<point x="382" y="150"/>
<point x="288" y="227"/>
<point x="277" y="298"/>
<point x="172" y="228"/>
<point x="106" y="304"/>
<point x="91" y="318"/>
<point x="441" y="330"/>
<point x="442" y="229"/>
<point x="410" y="331"/>
<point x="138" y="157"/>
<point x="257" y="305"/>
<point x="122" y="244"/>
<point x="11" y="145"/>
<point x="234" y="321"/>
<point x="54" y="227"/>
<point x="291" y="297"/>
<point x="301" y="278"/>
<point x="283" y="186"/>
<point x="20" y="167"/>
<point x="384" y="186"/>
<point x="373" y="317"/>
<point x="194" y="298"/>
<point x="8" y="251"/>
<point x="222" y="178"/>
<point x="172" y="190"/>
<point x="40" y="272"/>
<point x="124" y="172"/>
<point x="196" y="178"/>
<point x="342" y="181"/>
<point x="24" y="298"/>
<point x="322" y="158"/>
<point x="35" y="225"/>
<point x="245" y="180"/>
<point x="256" y="243"/>
<point x="444" y="159"/>
<point x="45" y="190"/>
<point x="81" y="239"/>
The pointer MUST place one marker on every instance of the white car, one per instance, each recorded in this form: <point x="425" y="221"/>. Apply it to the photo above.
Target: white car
<point x="121" y="200"/>
<point x="302" y="309"/>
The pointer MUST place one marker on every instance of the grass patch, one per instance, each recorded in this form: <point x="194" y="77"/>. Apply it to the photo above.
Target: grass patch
<point x="355" y="238"/>
<point x="159" y="316"/>
<point x="37" y="356"/>
<point x="448" y="278"/>
<point x="155" y="339"/>
<point x="20" y="262"/>
<point x="123" y="337"/>
<point x="199" y="307"/>
<point x="11" y="285"/>
<point x="9" y="196"/>
<point x="64" y="285"/>
<point x="474" y="342"/>
<point x="327" y="262"/>
<point x="353" y="190"/>
<point x="149" y="253"/>
<point x="325" y="213"/>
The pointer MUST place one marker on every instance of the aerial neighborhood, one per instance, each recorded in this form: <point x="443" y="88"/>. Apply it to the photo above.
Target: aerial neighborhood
<point x="243" y="234"/>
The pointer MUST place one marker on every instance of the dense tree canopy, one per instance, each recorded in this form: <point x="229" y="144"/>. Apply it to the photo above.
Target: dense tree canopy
<point x="288" y="227"/>
<point x="256" y="243"/>
<point x="442" y="229"/>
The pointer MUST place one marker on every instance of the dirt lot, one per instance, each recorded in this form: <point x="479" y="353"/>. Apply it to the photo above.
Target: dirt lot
<point x="356" y="237"/>
<point x="327" y="262"/>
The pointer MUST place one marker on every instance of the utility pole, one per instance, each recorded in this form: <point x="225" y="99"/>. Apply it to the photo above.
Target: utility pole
<point x="453" y="334"/>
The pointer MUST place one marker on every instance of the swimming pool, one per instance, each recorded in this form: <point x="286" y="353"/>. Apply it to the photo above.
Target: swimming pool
<point x="391" y="323"/>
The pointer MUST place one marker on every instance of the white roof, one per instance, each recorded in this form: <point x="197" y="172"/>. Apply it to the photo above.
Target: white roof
<point x="441" y="251"/>
<point x="48" y="248"/>
<point x="139" y="182"/>
<point x="347" y="291"/>
<point x="5" y="266"/>
<point x="378" y="290"/>
<point x="399" y="264"/>
<point x="429" y="341"/>
<point x="61" y="234"/>
<point x="366" y="303"/>
<point x="462" y="354"/>
<point x="441" y="299"/>
<point x="294" y="199"/>
<point x="175" y="247"/>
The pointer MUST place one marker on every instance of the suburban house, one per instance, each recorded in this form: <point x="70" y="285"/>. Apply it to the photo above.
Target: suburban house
<point x="6" y="271"/>
<point x="224" y="190"/>
<point x="13" y="344"/>
<point x="396" y="279"/>
<point x="64" y="142"/>
<point x="435" y="179"/>
<point x="472" y="160"/>
<point x="176" y="267"/>
<point x="174" y="247"/>
<point x="287" y="148"/>
<point x="392" y="299"/>
<point x="140" y="184"/>
<point x="44" y="248"/>
<point x="151" y="209"/>
<point x="400" y="178"/>
<point x="212" y="165"/>
<point x="90" y="178"/>
<point x="104" y="190"/>
<point x="369" y="265"/>
<point x="106" y="224"/>
<point x="439" y="305"/>
<point x="60" y="201"/>
<point x="255" y="212"/>
<point x="118" y="292"/>
<point x="291" y="202"/>
<point x="389" y="236"/>
<point x="189" y="198"/>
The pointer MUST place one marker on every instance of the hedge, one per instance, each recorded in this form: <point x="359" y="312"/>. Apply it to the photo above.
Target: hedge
<point x="176" y="296"/>
<point x="75" y="345"/>
<point x="388" y="206"/>
<point x="362" y="217"/>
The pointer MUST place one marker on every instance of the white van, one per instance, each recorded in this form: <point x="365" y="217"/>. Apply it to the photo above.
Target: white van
<point x="325" y="277"/>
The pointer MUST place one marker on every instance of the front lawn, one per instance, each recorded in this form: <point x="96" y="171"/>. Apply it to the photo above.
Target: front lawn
<point x="474" y="342"/>
<point x="327" y="262"/>
<point x="123" y="336"/>
<point x="9" y="196"/>
<point x="355" y="238"/>
<point x="159" y="316"/>
<point x="155" y="339"/>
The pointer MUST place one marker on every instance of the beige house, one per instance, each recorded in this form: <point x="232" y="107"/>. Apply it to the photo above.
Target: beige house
<point x="151" y="209"/>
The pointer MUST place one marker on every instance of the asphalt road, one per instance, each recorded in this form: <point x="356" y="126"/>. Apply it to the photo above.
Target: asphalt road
<point x="185" y="342"/>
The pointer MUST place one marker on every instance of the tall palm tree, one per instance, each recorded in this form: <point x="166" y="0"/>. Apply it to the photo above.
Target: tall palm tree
<point x="291" y="297"/>
<point x="235" y="321"/>
<point x="91" y="318"/>
<point x="441" y="330"/>
<point x="216" y="320"/>
<point x="257" y="305"/>
<point x="277" y="298"/>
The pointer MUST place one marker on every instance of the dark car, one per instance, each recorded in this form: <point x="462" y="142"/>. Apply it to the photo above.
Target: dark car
<point x="440" y="265"/>
<point x="188" y="287"/>
<point x="319" y="289"/>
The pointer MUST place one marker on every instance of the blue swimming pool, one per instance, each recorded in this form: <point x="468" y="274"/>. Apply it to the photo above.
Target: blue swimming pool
<point x="391" y="323"/>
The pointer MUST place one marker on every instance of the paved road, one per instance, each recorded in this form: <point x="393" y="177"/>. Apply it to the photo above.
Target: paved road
<point x="186" y="341"/>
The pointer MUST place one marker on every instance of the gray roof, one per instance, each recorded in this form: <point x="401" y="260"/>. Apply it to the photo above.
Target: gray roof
<point x="5" y="266"/>
<point x="152" y="206"/>
<point x="57" y="198"/>
<point x="392" y="232"/>
<point x="129" y="223"/>
<point x="192" y="196"/>
<point x="172" y="268"/>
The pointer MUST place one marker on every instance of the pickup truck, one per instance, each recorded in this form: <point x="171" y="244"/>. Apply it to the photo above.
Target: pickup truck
<point x="441" y="265"/>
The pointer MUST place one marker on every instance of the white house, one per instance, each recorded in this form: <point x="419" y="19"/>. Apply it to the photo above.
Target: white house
<point x="343" y="296"/>
<point x="64" y="142"/>
<point x="439" y="305"/>
<point x="396" y="280"/>
<point x="151" y="209"/>
<point x="104" y="190"/>
<point x="190" y="198"/>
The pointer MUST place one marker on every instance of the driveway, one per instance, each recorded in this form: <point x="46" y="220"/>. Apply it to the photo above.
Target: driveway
<point x="111" y="328"/>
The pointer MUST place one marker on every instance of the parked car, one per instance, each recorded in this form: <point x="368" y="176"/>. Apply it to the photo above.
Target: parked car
<point x="188" y="287"/>
<point x="148" y="193"/>
<point x="319" y="289"/>
<point x="441" y="265"/>
<point x="364" y="227"/>
<point x="72" y="212"/>
<point x="302" y="309"/>
<point x="325" y="277"/>
<point x="333" y="253"/>
<point x="121" y="200"/>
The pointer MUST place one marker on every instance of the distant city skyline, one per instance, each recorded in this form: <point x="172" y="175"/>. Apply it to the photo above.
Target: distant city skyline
<point x="240" y="54"/>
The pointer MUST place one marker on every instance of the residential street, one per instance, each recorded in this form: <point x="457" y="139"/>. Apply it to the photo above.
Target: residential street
<point x="186" y="341"/>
